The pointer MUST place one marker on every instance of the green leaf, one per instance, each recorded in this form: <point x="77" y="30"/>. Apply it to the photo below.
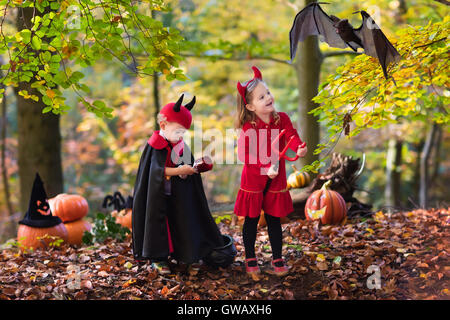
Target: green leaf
<point x="26" y="35"/>
<point x="36" y="43"/>
<point x="55" y="5"/>
<point x="47" y="109"/>
<point x="46" y="100"/>
<point x="337" y="260"/>
<point x="99" y="104"/>
<point x="101" y="216"/>
<point x="88" y="238"/>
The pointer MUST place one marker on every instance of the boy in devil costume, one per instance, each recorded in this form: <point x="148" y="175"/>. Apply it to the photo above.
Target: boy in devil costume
<point x="170" y="211"/>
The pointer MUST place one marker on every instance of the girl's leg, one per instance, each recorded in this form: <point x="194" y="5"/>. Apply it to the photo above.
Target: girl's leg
<point x="275" y="237"/>
<point x="249" y="237"/>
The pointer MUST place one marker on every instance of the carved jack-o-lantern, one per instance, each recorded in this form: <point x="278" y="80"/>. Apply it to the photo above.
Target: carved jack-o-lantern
<point x="43" y="207"/>
<point x="326" y="205"/>
<point x="38" y="226"/>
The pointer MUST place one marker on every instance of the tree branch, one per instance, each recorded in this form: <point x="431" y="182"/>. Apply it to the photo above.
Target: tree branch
<point x="339" y="53"/>
<point x="188" y="55"/>
<point x="447" y="3"/>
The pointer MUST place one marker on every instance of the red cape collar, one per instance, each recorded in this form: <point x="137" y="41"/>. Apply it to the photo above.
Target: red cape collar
<point x="159" y="142"/>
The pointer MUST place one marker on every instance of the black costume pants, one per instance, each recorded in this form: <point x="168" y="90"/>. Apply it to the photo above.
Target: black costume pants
<point x="275" y="235"/>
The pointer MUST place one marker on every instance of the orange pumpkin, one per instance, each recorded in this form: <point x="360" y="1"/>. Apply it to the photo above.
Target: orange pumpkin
<point x="326" y="205"/>
<point x="28" y="236"/>
<point x="69" y="207"/>
<point x="123" y="217"/>
<point x="75" y="230"/>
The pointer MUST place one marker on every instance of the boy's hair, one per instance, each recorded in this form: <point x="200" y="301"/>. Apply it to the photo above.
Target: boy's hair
<point x="243" y="114"/>
<point x="160" y="117"/>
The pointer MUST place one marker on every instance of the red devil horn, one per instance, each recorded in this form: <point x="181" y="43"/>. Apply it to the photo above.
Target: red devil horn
<point x="257" y="73"/>
<point x="241" y="91"/>
<point x="177" y="105"/>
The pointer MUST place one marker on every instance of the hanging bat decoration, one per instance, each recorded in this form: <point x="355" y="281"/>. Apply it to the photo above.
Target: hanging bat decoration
<point x="339" y="33"/>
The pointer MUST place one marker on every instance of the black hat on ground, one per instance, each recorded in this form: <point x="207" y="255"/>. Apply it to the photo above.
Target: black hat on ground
<point x="39" y="214"/>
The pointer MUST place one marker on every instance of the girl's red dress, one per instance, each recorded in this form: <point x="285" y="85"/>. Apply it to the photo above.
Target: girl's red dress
<point x="250" y="199"/>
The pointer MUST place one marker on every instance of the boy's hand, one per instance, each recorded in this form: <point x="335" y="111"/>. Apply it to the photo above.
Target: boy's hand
<point x="301" y="152"/>
<point x="186" y="170"/>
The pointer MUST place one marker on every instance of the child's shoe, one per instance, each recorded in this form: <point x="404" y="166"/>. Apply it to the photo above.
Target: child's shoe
<point x="193" y="267"/>
<point x="162" y="267"/>
<point x="279" y="268"/>
<point x="254" y="269"/>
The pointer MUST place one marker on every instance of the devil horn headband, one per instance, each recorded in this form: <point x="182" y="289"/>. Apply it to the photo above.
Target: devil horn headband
<point x="177" y="105"/>
<point x="191" y="104"/>
<point x="242" y="89"/>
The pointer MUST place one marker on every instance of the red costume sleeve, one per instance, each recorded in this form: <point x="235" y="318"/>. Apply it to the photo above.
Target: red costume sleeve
<point x="248" y="146"/>
<point x="290" y="131"/>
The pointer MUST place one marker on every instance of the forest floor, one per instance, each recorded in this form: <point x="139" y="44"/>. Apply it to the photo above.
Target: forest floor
<point x="407" y="250"/>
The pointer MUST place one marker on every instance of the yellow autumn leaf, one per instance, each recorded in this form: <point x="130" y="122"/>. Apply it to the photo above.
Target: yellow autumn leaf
<point x="320" y="257"/>
<point x="379" y="216"/>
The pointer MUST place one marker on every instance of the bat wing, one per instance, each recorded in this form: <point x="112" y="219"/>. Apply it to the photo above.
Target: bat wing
<point x="375" y="43"/>
<point x="312" y="20"/>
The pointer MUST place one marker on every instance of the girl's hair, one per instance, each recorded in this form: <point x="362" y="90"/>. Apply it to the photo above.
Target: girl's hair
<point x="243" y="114"/>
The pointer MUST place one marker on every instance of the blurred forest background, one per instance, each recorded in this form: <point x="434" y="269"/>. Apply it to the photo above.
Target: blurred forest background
<point x="221" y="41"/>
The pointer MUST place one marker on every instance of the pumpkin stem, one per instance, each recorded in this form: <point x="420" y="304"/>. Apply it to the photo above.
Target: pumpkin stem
<point x="294" y="167"/>
<point x="326" y="185"/>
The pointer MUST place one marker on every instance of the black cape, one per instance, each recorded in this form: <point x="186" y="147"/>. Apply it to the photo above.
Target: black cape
<point x="193" y="231"/>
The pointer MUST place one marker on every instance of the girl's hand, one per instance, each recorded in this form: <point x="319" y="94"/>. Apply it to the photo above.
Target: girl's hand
<point x="301" y="152"/>
<point x="183" y="176"/>
<point x="272" y="173"/>
<point x="186" y="170"/>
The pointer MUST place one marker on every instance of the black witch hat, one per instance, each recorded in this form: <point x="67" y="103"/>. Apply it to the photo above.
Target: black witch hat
<point x="39" y="214"/>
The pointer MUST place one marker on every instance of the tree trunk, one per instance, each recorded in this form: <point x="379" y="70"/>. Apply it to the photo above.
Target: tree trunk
<point x="39" y="136"/>
<point x="437" y="155"/>
<point x="416" y="179"/>
<point x="392" y="192"/>
<point x="156" y="98"/>
<point x="424" y="180"/>
<point x="3" y="152"/>
<point x="7" y="223"/>
<point x="156" y="89"/>
<point x="307" y="64"/>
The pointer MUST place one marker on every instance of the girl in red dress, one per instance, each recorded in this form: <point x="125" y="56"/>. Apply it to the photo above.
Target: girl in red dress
<point x="261" y="124"/>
